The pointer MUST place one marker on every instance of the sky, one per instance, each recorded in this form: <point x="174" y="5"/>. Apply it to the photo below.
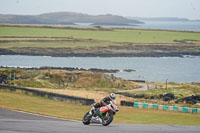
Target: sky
<point x="136" y="8"/>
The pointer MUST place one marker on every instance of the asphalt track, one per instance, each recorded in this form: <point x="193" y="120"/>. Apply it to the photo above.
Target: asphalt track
<point x="20" y="122"/>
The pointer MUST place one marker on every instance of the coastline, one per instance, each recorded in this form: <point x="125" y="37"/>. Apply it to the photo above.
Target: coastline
<point x="175" y="69"/>
<point x="99" y="54"/>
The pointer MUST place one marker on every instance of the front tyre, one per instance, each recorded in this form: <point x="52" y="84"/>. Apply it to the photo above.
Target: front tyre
<point x="107" y="118"/>
<point x="86" y="119"/>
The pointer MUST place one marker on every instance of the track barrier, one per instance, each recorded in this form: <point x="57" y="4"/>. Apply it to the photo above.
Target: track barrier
<point x="161" y="107"/>
<point x="166" y="107"/>
<point x="50" y="95"/>
<point x="124" y="103"/>
<point x="135" y="104"/>
<point x="194" y="110"/>
<point x="145" y="105"/>
<point x="175" y="108"/>
<point x="155" y="106"/>
<point x="185" y="109"/>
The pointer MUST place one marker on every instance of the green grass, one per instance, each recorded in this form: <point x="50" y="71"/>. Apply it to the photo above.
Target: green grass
<point x="117" y="35"/>
<point x="180" y="90"/>
<point x="55" y="44"/>
<point x="39" y="105"/>
<point x="60" y="79"/>
<point x="36" y="83"/>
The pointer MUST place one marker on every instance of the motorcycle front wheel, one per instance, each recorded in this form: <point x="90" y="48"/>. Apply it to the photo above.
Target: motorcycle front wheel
<point x="86" y="119"/>
<point x="107" y="118"/>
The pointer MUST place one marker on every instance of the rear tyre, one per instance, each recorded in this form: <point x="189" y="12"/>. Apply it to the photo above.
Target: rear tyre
<point x="86" y="119"/>
<point x="107" y="118"/>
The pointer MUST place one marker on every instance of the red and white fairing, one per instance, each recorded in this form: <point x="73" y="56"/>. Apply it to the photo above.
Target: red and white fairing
<point x="112" y="106"/>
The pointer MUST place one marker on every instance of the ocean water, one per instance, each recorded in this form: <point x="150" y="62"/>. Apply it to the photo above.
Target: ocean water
<point x="173" y="69"/>
<point x="163" y="25"/>
<point x="170" y="25"/>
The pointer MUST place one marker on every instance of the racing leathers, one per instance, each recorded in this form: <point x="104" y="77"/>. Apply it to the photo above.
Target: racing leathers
<point x="104" y="101"/>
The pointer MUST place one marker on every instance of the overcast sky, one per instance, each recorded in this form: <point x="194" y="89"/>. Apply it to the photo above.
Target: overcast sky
<point x="137" y="8"/>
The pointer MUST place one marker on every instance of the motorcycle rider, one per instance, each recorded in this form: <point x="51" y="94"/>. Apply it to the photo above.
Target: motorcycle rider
<point x="104" y="101"/>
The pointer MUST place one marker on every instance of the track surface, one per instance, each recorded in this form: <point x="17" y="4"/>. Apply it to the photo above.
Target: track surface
<point x="19" y="122"/>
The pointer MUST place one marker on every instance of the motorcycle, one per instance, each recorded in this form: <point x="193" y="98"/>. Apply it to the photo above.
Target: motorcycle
<point x="103" y="115"/>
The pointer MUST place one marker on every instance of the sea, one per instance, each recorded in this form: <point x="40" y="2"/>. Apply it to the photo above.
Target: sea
<point x="160" y="25"/>
<point x="171" y="69"/>
<point x="170" y="25"/>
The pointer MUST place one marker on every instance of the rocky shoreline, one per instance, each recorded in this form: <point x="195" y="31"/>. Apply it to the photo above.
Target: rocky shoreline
<point x="69" y="69"/>
<point x="99" y="54"/>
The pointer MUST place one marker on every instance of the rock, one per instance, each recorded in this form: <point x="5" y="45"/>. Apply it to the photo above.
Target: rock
<point x="104" y="70"/>
<point x="129" y="70"/>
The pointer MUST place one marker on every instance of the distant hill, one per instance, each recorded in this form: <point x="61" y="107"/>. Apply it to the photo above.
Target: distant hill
<point x="66" y="18"/>
<point x="161" y="19"/>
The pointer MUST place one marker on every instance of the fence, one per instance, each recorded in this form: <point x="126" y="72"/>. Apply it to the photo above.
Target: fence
<point x="160" y="107"/>
<point x="50" y="95"/>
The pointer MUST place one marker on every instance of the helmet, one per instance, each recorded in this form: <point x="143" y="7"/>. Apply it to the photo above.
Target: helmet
<point x="112" y="96"/>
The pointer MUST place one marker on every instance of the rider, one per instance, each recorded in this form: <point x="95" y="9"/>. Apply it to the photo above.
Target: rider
<point x="104" y="101"/>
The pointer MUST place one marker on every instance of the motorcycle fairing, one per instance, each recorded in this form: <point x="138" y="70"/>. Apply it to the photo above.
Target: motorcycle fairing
<point x="104" y="109"/>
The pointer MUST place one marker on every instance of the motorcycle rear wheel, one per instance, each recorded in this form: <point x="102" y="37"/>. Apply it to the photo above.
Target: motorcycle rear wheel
<point x="107" y="118"/>
<point x="86" y="119"/>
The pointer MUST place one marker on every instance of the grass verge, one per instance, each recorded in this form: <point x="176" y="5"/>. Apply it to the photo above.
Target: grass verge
<point x="35" y="104"/>
<point x="116" y="35"/>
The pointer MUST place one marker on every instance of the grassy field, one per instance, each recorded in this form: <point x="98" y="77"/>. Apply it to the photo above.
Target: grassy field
<point x="57" y="44"/>
<point x="63" y="79"/>
<point x="91" y="41"/>
<point x="179" y="90"/>
<point x="117" y="35"/>
<point x="87" y="84"/>
<point x="35" y="104"/>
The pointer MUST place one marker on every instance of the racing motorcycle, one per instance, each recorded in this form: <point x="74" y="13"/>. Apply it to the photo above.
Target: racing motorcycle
<point x="103" y="115"/>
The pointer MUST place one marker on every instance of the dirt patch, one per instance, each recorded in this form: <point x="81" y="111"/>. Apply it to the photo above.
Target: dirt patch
<point x="96" y="95"/>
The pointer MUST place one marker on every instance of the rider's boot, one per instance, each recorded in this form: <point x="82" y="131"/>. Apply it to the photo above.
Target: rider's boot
<point x="92" y="111"/>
